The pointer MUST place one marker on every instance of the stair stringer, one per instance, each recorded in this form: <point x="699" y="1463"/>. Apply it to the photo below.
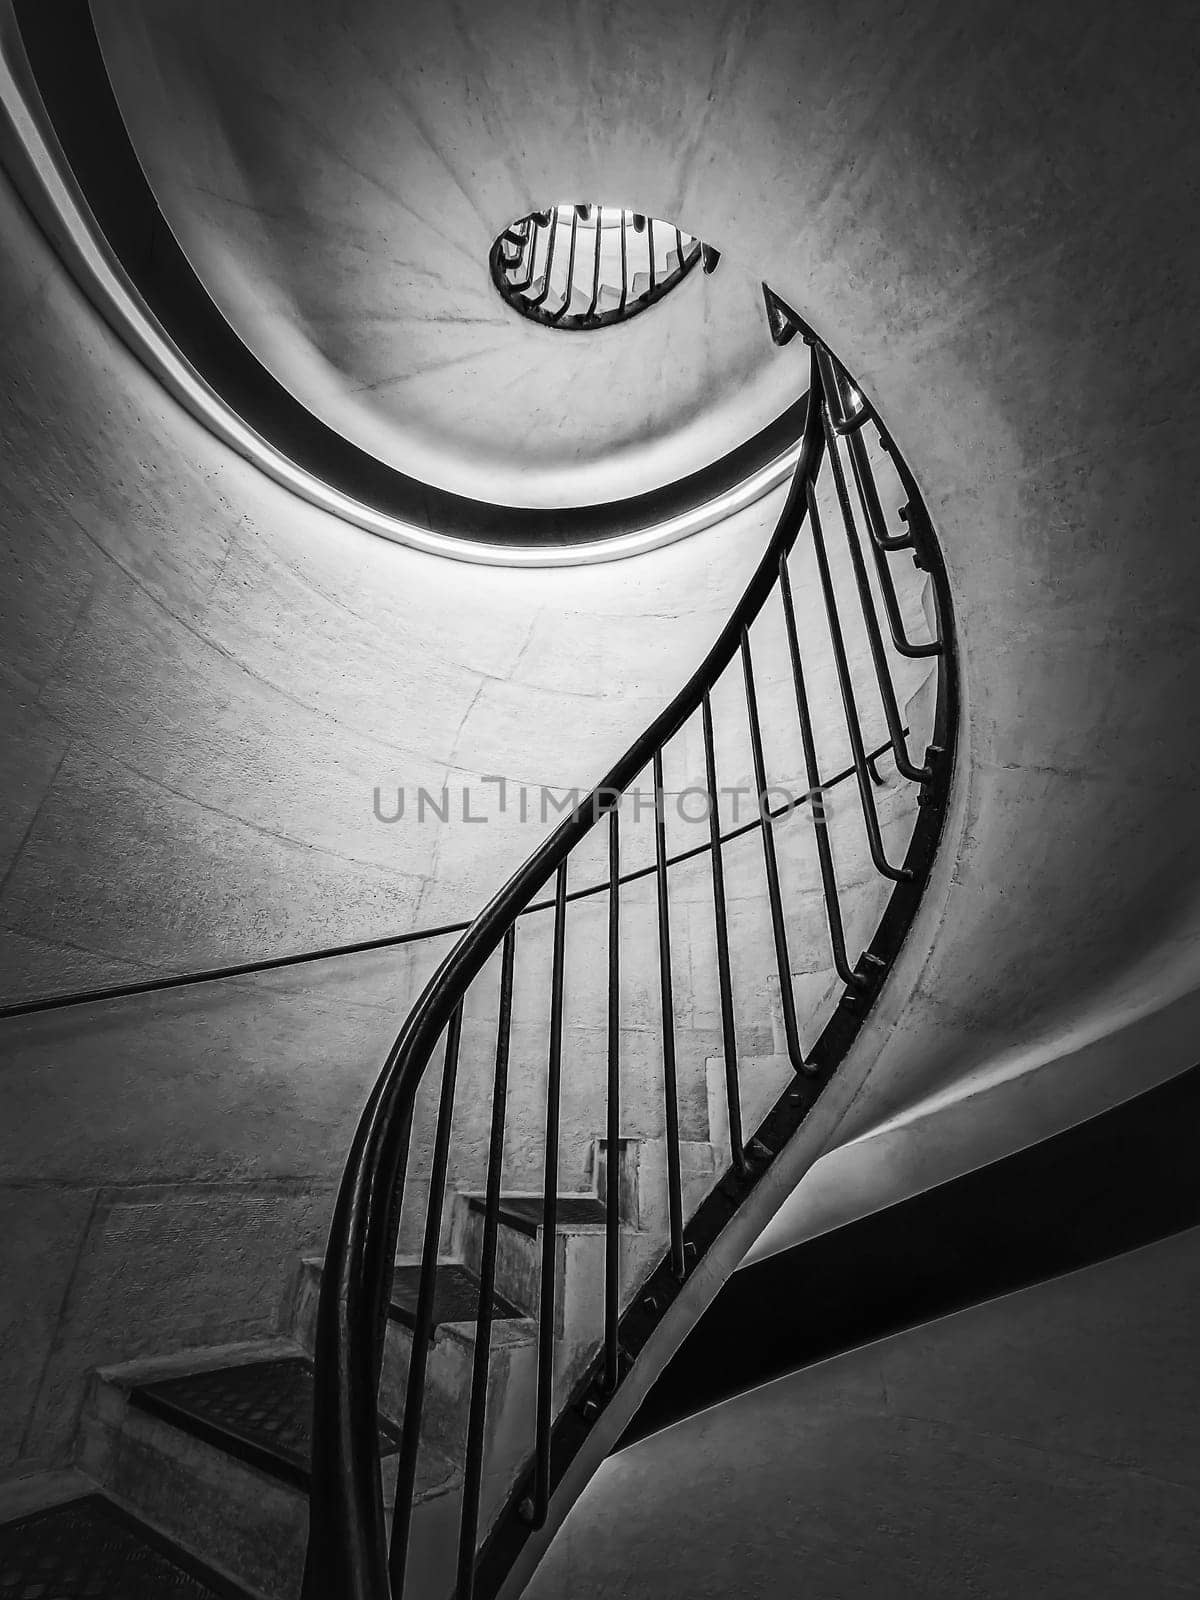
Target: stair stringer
<point x="772" y="1187"/>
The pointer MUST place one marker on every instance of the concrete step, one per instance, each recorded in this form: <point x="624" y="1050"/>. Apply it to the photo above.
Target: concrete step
<point x="212" y="1449"/>
<point x="445" y="1412"/>
<point x="579" y="1274"/>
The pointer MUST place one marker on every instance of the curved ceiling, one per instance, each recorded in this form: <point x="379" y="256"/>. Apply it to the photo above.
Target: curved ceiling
<point x="342" y="220"/>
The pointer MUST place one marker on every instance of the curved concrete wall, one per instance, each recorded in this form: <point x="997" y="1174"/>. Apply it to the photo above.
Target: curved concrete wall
<point x="980" y="212"/>
<point x="1040" y="1444"/>
<point x="205" y="682"/>
<point x="350" y="252"/>
<point x="982" y="216"/>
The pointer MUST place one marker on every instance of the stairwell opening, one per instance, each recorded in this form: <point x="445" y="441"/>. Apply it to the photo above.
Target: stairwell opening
<point x="580" y="267"/>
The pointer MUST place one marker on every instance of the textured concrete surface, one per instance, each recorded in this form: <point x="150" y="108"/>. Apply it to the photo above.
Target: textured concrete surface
<point x="986" y="213"/>
<point x="349" y="248"/>
<point x="984" y="210"/>
<point x="203" y="685"/>
<point x="1037" y="1445"/>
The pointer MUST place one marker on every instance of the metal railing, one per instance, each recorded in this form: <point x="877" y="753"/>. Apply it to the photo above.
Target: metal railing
<point x="586" y="266"/>
<point x="67" y="999"/>
<point x="356" y="1552"/>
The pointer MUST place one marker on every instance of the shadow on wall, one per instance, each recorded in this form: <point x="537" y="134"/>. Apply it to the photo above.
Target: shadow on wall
<point x="1110" y="1185"/>
<point x="1042" y="1445"/>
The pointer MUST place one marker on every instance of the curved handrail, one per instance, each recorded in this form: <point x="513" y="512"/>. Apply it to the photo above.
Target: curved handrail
<point x="348" y="1547"/>
<point x="69" y="998"/>
<point x="348" y="1553"/>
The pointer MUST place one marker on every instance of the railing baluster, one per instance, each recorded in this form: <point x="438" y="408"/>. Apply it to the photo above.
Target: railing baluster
<point x="666" y="991"/>
<point x="532" y="235"/>
<point x="543" y="293"/>
<point x="849" y="705"/>
<point x="833" y="910"/>
<point x="650" y="249"/>
<point x="545" y="1369"/>
<point x="883" y="671"/>
<point x="624" y="261"/>
<point x="591" y="310"/>
<point x="728" y="1029"/>
<point x="414" y="1395"/>
<point x="612" y="1216"/>
<point x="569" y="290"/>
<point x="787" y="998"/>
<point x="868" y="494"/>
<point x="473" y="1465"/>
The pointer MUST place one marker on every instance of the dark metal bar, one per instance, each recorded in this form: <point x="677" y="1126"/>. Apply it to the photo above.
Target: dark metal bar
<point x="666" y="991"/>
<point x="839" y="419"/>
<point x="724" y="979"/>
<point x="650" y="250"/>
<point x="679" y="263"/>
<point x="542" y="295"/>
<point x="473" y="1464"/>
<point x="868" y="494"/>
<point x="833" y="909"/>
<point x="883" y="670"/>
<point x="849" y="706"/>
<point x="831" y="383"/>
<point x="787" y="998"/>
<point x="121" y="991"/>
<point x="532" y="235"/>
<point x="414" y="1395"/>
<point x="545" y="1371"/>
<point x="569" y="292"/>
<point x="612" y="1215"/>
<point x="591" y="310"/>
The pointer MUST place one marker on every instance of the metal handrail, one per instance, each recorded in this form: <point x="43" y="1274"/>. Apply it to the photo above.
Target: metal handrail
<point x="391" y="941"/>
<point x="350" y="1554"/>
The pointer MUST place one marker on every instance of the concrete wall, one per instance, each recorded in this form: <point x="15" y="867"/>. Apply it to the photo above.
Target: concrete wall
<point x="982" y="212"/>
<point x="204" y="683"/>
<point x="1039" y="1444"/>
<point x="350" y="251"/>
<point x="980" y="208"/>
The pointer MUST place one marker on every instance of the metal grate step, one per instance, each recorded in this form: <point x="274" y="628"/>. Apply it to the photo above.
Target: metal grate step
<point x="524" y="1212"/>
<point x="259" y="1411"/>
<point x="455" y="1295"/>
<point x="91" y="1547"/>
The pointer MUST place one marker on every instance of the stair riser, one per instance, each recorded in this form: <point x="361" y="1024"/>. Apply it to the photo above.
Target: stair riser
<point x="518" y="1261"/>
<point x="512" y="1376"/>
<point x="579" y="1284"/>
<point x="239" y="1520"/>
<point x="226" y="1513"/>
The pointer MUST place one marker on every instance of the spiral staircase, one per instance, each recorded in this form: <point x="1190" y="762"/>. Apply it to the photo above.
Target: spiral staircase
<point x="533" y="1216"/>
<point x="477" y="1328"/>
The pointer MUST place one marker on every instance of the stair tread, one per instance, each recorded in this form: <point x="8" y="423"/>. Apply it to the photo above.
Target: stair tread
<point x="258" y="1411"/>
<point x="525" y="1212"/>
<point x="455" y="1295"/>
<point x="94" y="1547"/>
